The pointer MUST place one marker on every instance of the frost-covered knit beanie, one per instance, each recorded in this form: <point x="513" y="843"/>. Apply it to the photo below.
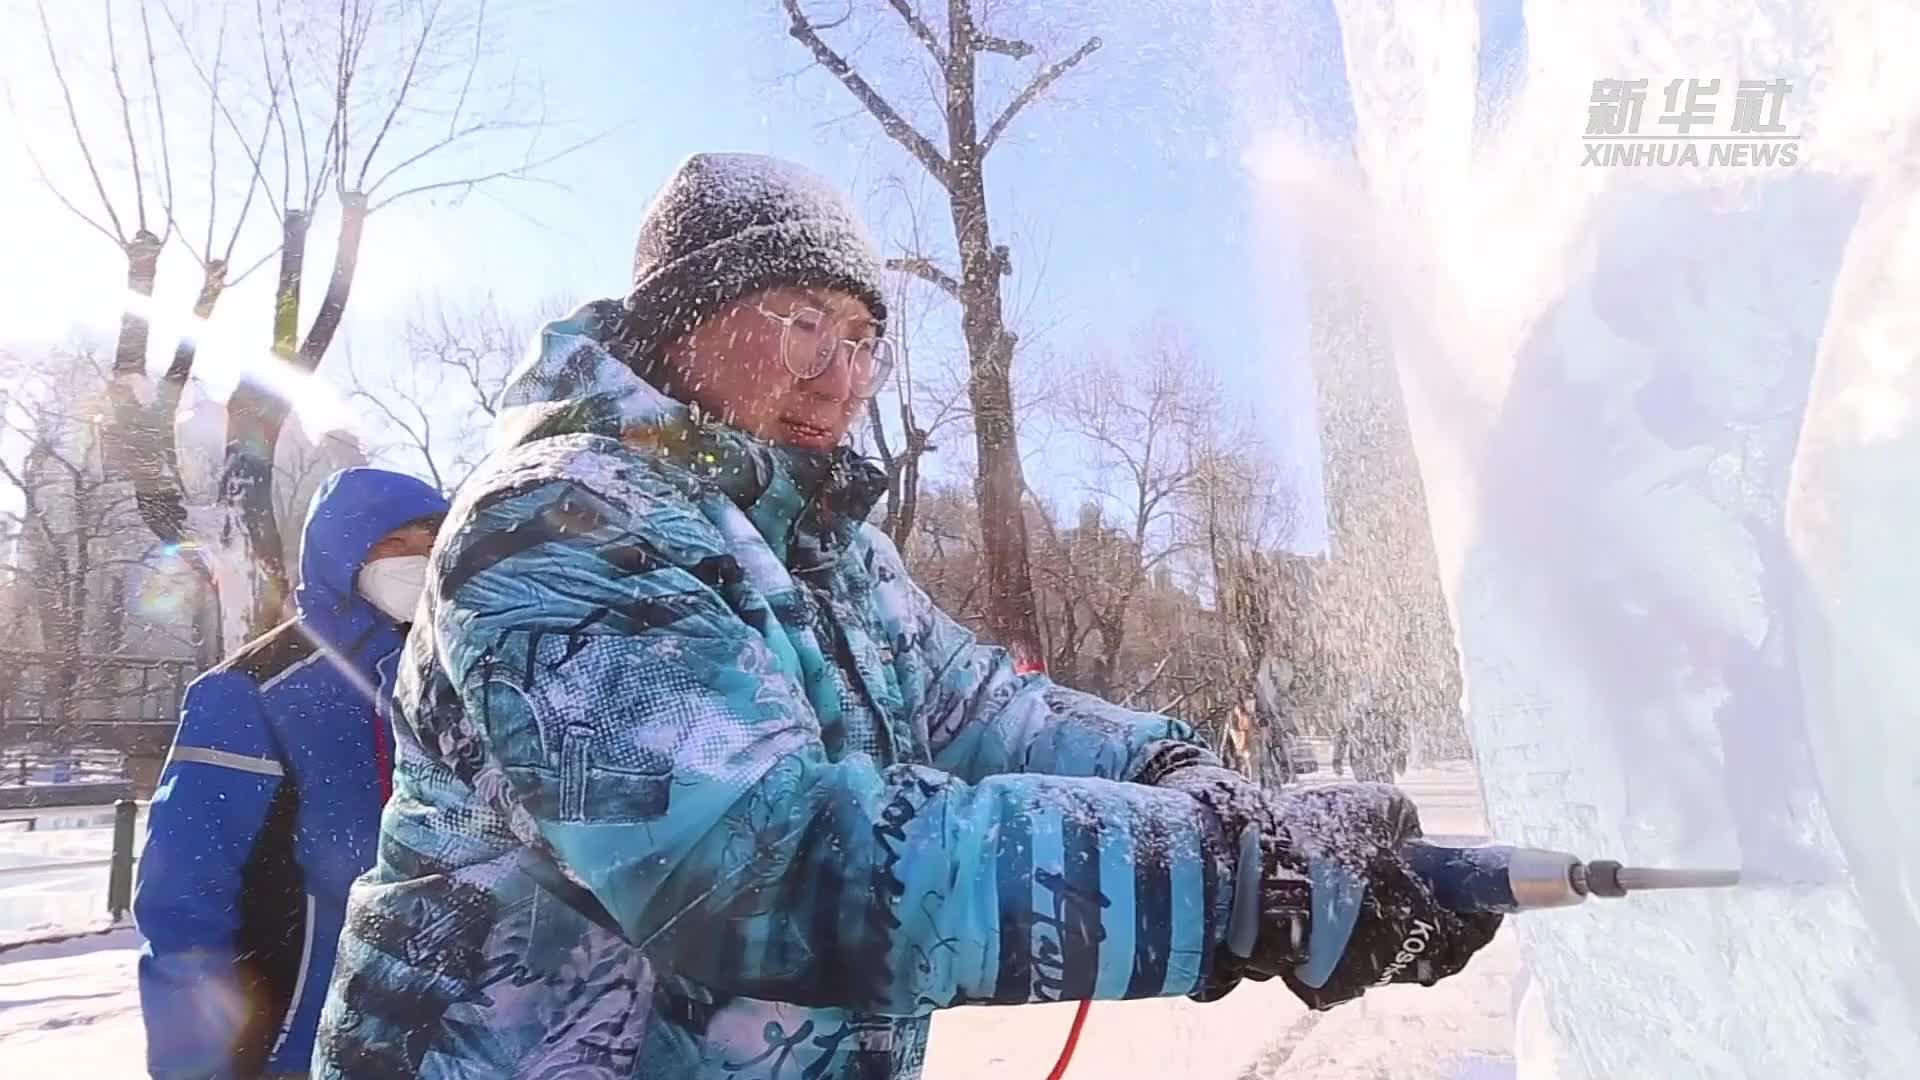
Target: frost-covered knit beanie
<point x="726" y="225"/>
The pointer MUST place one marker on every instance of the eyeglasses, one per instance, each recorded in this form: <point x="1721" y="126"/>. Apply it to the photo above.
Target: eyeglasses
<point x="808" y="350"/>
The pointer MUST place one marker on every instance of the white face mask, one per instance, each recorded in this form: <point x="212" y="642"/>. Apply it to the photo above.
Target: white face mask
<point x="394" y="585"/>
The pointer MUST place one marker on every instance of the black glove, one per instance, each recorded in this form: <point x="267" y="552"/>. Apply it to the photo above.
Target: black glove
<point x="1359" y="827"/>
<point x="1402" y="935"/>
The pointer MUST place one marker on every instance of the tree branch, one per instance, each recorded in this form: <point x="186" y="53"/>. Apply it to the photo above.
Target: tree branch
<point x="399" y="100"/>
<point x="1147" y="684"/>
<point x="923" y="268"/>
<point x="921" y="30"/>
<point x="217" y="104"/>
<point x="285" y="202"/>
<point x="468" y="184"/>
<point x="258" y="183"/>
<point x="879" y="434"/>
<point x="313" y="181"/>
<point x="1038" y="86"/>
<point x="235" y="279"/>
<point x="117" y="240"/>
<point x="343" y="73"/>
<point x="454" y="136"/>
<point x="73" y="118"/>
<point x="213" y="128"/>
<point x="160" y="122"/>
<point x="891" y="122"/>
<point x="32" y="513"/>
<point x="1019" y="50"/>
<point x="420" y="436"/>
<point x="466" y="84"/>
<point x="126" y="123"/>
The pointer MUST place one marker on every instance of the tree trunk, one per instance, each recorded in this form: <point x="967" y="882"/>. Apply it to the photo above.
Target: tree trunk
<point x="73" y="621"/>
<point x="255" y="415"/>
<point x="137" y="447"/>
<point x="909" y="507"/>
<point x="333" y="306"/>
<point x="998" y="485"/>
<point x="156" y="479"/>
<point x="909" y="488"/>
<point x="143" y="265"/>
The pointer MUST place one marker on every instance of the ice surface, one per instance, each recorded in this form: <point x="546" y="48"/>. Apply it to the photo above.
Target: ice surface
<point x="1664" y="417"/>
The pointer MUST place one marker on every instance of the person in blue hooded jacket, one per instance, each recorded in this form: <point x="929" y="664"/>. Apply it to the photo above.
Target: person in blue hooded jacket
<point x="269" y="804"/>
<point x="693" y="781"/>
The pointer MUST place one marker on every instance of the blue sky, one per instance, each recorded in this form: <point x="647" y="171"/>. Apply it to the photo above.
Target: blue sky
<point x="1124" y="194"/>
<point x="1125" y="198"/>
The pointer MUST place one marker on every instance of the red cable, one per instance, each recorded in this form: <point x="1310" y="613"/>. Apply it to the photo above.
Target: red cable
<point x="1073" y="1039"/>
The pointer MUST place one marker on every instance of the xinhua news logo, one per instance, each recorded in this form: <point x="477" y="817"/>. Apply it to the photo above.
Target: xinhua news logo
<point x="1688" y="131"/>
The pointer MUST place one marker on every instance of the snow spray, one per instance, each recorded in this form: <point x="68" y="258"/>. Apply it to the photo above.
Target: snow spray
<point x="1662" y="418"/>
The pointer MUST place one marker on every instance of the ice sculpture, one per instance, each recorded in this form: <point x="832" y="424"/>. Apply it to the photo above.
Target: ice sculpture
<point x="1665" y="421"/>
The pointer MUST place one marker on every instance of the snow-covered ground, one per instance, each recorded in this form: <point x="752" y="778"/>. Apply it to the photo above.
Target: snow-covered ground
<point x="55" y="876"/>
<point x="72" y="1006"/>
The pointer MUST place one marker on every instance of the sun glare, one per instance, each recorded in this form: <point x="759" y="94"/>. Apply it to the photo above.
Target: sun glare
<point x="222" y="358"/>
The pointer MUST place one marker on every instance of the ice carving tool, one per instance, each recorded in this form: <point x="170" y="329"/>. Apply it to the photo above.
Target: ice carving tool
<point x="1490" y="878"/>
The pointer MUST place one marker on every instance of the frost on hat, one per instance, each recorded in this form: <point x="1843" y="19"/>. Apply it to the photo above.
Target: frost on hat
<point x="725" y="225"/>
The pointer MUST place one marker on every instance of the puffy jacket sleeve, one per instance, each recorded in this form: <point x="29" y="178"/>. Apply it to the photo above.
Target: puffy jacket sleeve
<point x="215" y="790"/>
<point x="984" y="718"/>
<point x="654" y="740"/>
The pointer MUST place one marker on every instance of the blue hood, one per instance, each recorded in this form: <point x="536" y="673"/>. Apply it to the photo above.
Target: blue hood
<point x="351" y="512"/>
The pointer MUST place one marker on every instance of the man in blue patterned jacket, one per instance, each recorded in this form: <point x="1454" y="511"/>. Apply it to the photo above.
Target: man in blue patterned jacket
<point x="693" y="781"/>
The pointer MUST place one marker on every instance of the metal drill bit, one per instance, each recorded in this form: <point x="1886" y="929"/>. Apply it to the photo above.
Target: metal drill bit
<point x="1604" y="877"/>
<point x="1636" y="878"/>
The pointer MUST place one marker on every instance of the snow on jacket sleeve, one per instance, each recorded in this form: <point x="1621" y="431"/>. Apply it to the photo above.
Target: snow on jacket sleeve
<point x="213" y="798"/>
<point x="983" y="718"/>
<point x="656" y="742"/>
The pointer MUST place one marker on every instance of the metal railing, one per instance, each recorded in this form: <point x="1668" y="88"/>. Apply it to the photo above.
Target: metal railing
<point x="120" y="868"/>
<point x="119" y="863"/>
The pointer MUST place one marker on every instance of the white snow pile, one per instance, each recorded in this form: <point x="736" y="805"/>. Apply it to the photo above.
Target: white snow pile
<point x="70" y="1008"/>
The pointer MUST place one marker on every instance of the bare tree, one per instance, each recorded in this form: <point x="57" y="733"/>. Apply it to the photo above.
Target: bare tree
<point x="1135" y="425"/>
<point x="951" y="73"/>
<point x="135" y="206"/>
<point x="360" y="103"/>
<point x="1062" y="609"/>
<point x="1258" y="648"/>
<point x="380" y="95"/>
<point x="1174" y="587"/>
<point x="78" y="551"/>
<point x="1240" y="515"/>
<point x="924" y="400"/>
<point x="438" y="400"/>
<point x="946" y="559"/>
